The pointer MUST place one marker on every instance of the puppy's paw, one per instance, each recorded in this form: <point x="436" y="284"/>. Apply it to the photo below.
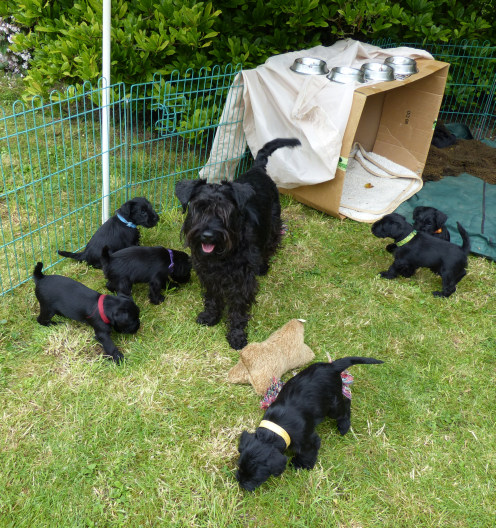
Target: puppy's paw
<point x="237" y="339"/>
<point x="46" y="323"/>
<point x="441" y="294"/>
<point x="207" y="318"/>
<point x="263" y="270"/>
<point x="387" y="275"/>
<point x="157" y="300"/>
<point x="110" y="287"/>
<point x="117" y="357"/>
<point x="343" y="425"/>
<point x="298" y="463"/>
<point x="391" y="247"/>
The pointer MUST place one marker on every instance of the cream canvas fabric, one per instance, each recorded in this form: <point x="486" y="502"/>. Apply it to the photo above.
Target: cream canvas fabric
<point x="277" y="102"/>
<point x="375" y="186"/>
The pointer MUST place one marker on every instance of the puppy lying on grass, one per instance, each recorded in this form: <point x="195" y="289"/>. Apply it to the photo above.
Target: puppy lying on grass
<point x="290" y="421"/>
<point x="118" y="232"/>
<point x="60" y="295"/>
<point x="419" y="250"/>
<point x="157" y="266"/>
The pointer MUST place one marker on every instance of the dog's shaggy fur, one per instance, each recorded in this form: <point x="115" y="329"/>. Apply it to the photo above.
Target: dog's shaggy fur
<point x="431" y="221"/>
<point x="59" y="295"/>
<point x="424" y="251"/>
<point x="232" y="228"/>
<point x="304" y="401"/>
<point x="117" y="233"/>
<point x="156" y="266"/>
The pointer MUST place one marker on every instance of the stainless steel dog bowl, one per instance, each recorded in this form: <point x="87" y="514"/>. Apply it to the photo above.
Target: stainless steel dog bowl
<point x="377" y="71"/>
<point x="344" y="75"/>
<point x="310" y="66"/>
<point x="402" y="65"/>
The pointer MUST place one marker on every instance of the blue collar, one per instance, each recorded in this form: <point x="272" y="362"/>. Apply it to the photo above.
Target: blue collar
<point x="171" y="265"/>
<point x="124" y="221"/>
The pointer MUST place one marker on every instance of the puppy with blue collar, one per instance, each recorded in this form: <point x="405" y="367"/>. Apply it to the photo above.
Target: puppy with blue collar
<point x="118" y="232"/>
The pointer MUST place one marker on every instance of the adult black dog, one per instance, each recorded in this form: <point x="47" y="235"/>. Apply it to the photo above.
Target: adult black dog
<point x="419" y="250"/>
<point x="118" y="232"/>
<point x="304" y="401"/>
<point x="232" y="228"/>
<point x="157" y="266"/>
<point x="59" y="295"/>
<point x="431" y="221"/>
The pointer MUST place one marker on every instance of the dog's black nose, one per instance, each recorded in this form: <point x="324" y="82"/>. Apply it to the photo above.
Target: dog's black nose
<point x="207" y="236"/>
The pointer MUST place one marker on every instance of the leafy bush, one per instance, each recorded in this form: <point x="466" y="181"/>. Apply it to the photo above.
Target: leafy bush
<point x="147" y="37"/>
<point x="11" y="61"/>
<point x="262" y="29"/>
<point x="151" y="36"/>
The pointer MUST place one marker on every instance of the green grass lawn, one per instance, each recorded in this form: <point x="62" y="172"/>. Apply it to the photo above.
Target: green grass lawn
<point x="154" y="442"/>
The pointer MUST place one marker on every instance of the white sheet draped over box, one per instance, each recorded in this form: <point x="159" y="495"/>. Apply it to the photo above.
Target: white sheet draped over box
<point x="277" y="102"/>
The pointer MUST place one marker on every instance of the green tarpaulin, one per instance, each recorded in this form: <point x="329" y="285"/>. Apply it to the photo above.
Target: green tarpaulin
<point x="466" y="199"/>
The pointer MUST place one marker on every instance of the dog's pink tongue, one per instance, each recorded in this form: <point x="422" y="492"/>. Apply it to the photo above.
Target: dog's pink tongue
<point x="208" y="248"/>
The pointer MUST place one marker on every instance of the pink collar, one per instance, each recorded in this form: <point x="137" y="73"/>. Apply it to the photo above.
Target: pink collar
<point x="105" y="319"/>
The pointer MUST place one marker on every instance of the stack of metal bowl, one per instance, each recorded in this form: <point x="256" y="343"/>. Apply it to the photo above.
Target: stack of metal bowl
<point x="403" y="66"/>
<point x="377" y="71"/>
<point x="310" y="66"/>
<point x="345" y="75"/>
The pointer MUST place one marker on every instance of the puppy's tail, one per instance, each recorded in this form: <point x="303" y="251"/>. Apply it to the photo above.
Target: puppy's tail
<point x="346" y="362"/>
<point x="105" y="256"/>
<point x="37" y="274"/>
<point x="76" y="256"/>
<point x="270" y="147"/>
<point x="465" y="238"/>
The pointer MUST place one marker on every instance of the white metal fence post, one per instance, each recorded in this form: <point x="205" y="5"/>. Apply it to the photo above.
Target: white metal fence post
<point x="105" y="109"/>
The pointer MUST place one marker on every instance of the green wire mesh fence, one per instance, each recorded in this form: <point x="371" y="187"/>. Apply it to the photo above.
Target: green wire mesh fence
<point x="51" y="160"/>
<point x="160" y="132"/>
<point x="470" y="95"/>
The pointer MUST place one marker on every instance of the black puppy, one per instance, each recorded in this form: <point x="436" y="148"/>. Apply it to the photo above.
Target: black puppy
<point x="59" y="295"/>
<point x="156" y="266"/>
<point x="442" y="137"/>
<point x="118" y="232"/>
<point x="431" y="221"/>
<point x="232" y="228"/>
<point x="419" y="250"/>
<point x="304" y="401"/>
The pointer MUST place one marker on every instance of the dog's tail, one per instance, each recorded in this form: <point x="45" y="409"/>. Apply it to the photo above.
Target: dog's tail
<point x="465" y="238"/>
<point x="76" y="256"/>
<point x="270" y="147"/>
<point x="37" y="273"/>
<point x="346" y="362"/>
<point x="105" y="258"/>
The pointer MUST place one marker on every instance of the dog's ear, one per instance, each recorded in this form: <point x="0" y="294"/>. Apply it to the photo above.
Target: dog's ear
<point x="125" y="209"/>
<point x="277" y="462"/>
<point x="440" y="218"/>
<point x="184" y="190"/>
<point x="242" y="193"/>
<point x="245" y="440"/>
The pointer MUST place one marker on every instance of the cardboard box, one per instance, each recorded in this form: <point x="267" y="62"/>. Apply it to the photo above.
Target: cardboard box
<point x="394" y="119"/>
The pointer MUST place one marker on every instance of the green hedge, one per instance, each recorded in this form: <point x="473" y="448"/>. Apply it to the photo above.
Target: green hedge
<point x="148" y="36"/>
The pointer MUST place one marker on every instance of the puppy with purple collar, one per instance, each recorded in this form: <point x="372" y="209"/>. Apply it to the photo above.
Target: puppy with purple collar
<point x="289" y="423"/>
<point x="157" y="266"/>
<point x="59" y="295"/>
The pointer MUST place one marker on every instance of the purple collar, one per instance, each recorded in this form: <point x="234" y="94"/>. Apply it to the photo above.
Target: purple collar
<point x="171" y="265"/>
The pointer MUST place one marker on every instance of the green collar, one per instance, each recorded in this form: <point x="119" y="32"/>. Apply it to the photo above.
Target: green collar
<point x="406" y="239"/>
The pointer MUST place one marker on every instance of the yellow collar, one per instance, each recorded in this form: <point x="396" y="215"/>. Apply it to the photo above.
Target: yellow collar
<point x="276" y="429"/>
<point x="407" y="238"/>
